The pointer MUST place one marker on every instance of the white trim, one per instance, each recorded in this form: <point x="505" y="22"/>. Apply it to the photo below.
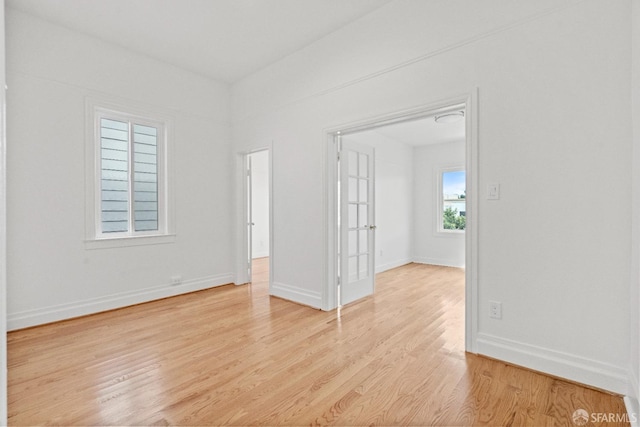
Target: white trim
<point x="633" y="410"/>
<point x="120" y="242"/>
<point x="436" y="261"/>
<point x="241" y="240"/>
<point x="263" y="254"/>
<point x="472" y="226"/>
<point x="633" y="391"/>
<point x="563" y="365"/>
<point x="28" y="318"/>
<point x="631" y="403"/>
<point x="424" y="57"/>
<point x="392" y="264"/>
<point x="470" y="102"/>
<point x="330" y="207"/>
<point x="95" y="107"/>
<point x="297" y="295"/>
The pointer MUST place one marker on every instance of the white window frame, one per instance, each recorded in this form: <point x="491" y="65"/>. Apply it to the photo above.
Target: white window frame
<point x="440" y="230"/>
<point x="95" y="238"/>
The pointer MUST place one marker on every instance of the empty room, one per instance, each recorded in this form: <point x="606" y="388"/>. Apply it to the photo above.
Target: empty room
<point x="369" y="268"/>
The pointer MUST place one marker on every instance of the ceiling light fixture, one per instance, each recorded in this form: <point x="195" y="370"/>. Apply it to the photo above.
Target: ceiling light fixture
<point x="450" y="117"/>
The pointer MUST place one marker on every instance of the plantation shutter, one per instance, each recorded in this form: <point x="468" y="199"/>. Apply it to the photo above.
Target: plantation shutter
<point x="145" y="177"/>
<point x="129" y="176"/>
<point x="114" y="141"/>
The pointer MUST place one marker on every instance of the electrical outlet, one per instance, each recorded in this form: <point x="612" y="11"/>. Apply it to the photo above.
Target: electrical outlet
<point x="495" y="310"/>
<point x="176" y="280"/>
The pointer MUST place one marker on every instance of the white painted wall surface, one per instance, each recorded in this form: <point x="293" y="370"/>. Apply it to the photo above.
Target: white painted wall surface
<point x="555" y="123"/>
<point x="431" y="246"/>
<point x="634" y="300"/>
<point x="260" y="204"/>
<point x="3" y="228"/>
<point x="51" y="275"/>
<point x="394" y="204"/>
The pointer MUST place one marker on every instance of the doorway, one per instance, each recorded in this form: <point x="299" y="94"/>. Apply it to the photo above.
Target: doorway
<point x="254" y="222"/>
<point x="340" y="247"/>
<point x="258" y="211"/>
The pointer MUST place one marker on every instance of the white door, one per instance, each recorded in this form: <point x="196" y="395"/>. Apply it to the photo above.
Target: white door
<point x="249" y="253"/>
<point x="357" y="229"/>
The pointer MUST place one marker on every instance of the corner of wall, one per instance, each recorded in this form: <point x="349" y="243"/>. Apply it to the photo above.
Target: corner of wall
<point x="3" y="229"/>
<point x="633" y="407"/>
<point x="634" y="286"/>
<point x="297" y="294"/>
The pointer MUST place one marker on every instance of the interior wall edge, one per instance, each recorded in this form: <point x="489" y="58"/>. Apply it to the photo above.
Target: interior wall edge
<point x="297" y="295"/>
<point x="633" y="409"/>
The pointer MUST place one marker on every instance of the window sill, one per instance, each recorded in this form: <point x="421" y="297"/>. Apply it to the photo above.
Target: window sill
<point x="450" y="233"/>
<point x="123" y="242"/>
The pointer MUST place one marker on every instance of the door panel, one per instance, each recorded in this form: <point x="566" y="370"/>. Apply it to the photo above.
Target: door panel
<point x="249" y="253"/>
<point x="357" y="227"/>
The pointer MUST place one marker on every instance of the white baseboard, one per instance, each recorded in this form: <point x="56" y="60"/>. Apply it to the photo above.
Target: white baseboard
<point x="295" y="294"/>
<point x="437" y="261"/>
<point x="393" y="264"/>
<point x="563" y="365"/>
<point x="262" y="254"/>
<point x="28" y="318"/>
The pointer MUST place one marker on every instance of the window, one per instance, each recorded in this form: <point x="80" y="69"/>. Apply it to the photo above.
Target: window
<point x="130" y="174"/>
<point x="452" y="207"/>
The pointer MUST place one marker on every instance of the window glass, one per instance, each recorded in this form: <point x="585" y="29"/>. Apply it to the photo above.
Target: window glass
<point x="453" y="209"/>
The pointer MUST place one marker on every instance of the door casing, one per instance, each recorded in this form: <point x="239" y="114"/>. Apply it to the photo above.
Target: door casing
<point x="243" y="263"/>
<point x="469" y="101"/>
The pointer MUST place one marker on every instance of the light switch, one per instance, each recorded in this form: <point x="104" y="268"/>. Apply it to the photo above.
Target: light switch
<point x="493" y="192"/>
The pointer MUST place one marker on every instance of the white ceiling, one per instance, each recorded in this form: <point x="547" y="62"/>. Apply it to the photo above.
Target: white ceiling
<point x="225" y="40"/>
<point x="222" y="39"/>
<point x="423" y="131"/>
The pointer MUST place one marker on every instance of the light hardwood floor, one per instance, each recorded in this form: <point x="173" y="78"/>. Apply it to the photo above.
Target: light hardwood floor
<point x="235" y="356"/>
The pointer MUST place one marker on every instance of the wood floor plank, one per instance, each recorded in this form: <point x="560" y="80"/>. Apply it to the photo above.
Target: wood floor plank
<point x="235" y="356"/>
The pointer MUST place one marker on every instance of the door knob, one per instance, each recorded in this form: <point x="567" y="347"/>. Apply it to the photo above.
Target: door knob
<point x="372" y="227"/>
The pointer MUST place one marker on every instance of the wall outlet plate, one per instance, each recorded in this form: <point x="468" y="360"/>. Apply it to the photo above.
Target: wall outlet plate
<point x="495" y="310"/>
<point x="493" y="191"/>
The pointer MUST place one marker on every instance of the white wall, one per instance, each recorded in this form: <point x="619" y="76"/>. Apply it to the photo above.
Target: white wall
<point x="3" y="230"/>
<point x="429" y="245"/>
<point x="634" y="300"/>
<point x="260" y="204"/>
<point x="51" y="275"/>
<point x="554" y="123"/>
<point x="393" y="203"/>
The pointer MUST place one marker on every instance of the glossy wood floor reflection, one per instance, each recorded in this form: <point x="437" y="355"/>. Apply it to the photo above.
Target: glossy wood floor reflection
<point x="235" y="356"/>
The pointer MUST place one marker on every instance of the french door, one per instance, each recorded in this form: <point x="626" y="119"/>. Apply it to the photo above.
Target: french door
<point x="250" y="224"/>
<point x="357" y="221"/>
